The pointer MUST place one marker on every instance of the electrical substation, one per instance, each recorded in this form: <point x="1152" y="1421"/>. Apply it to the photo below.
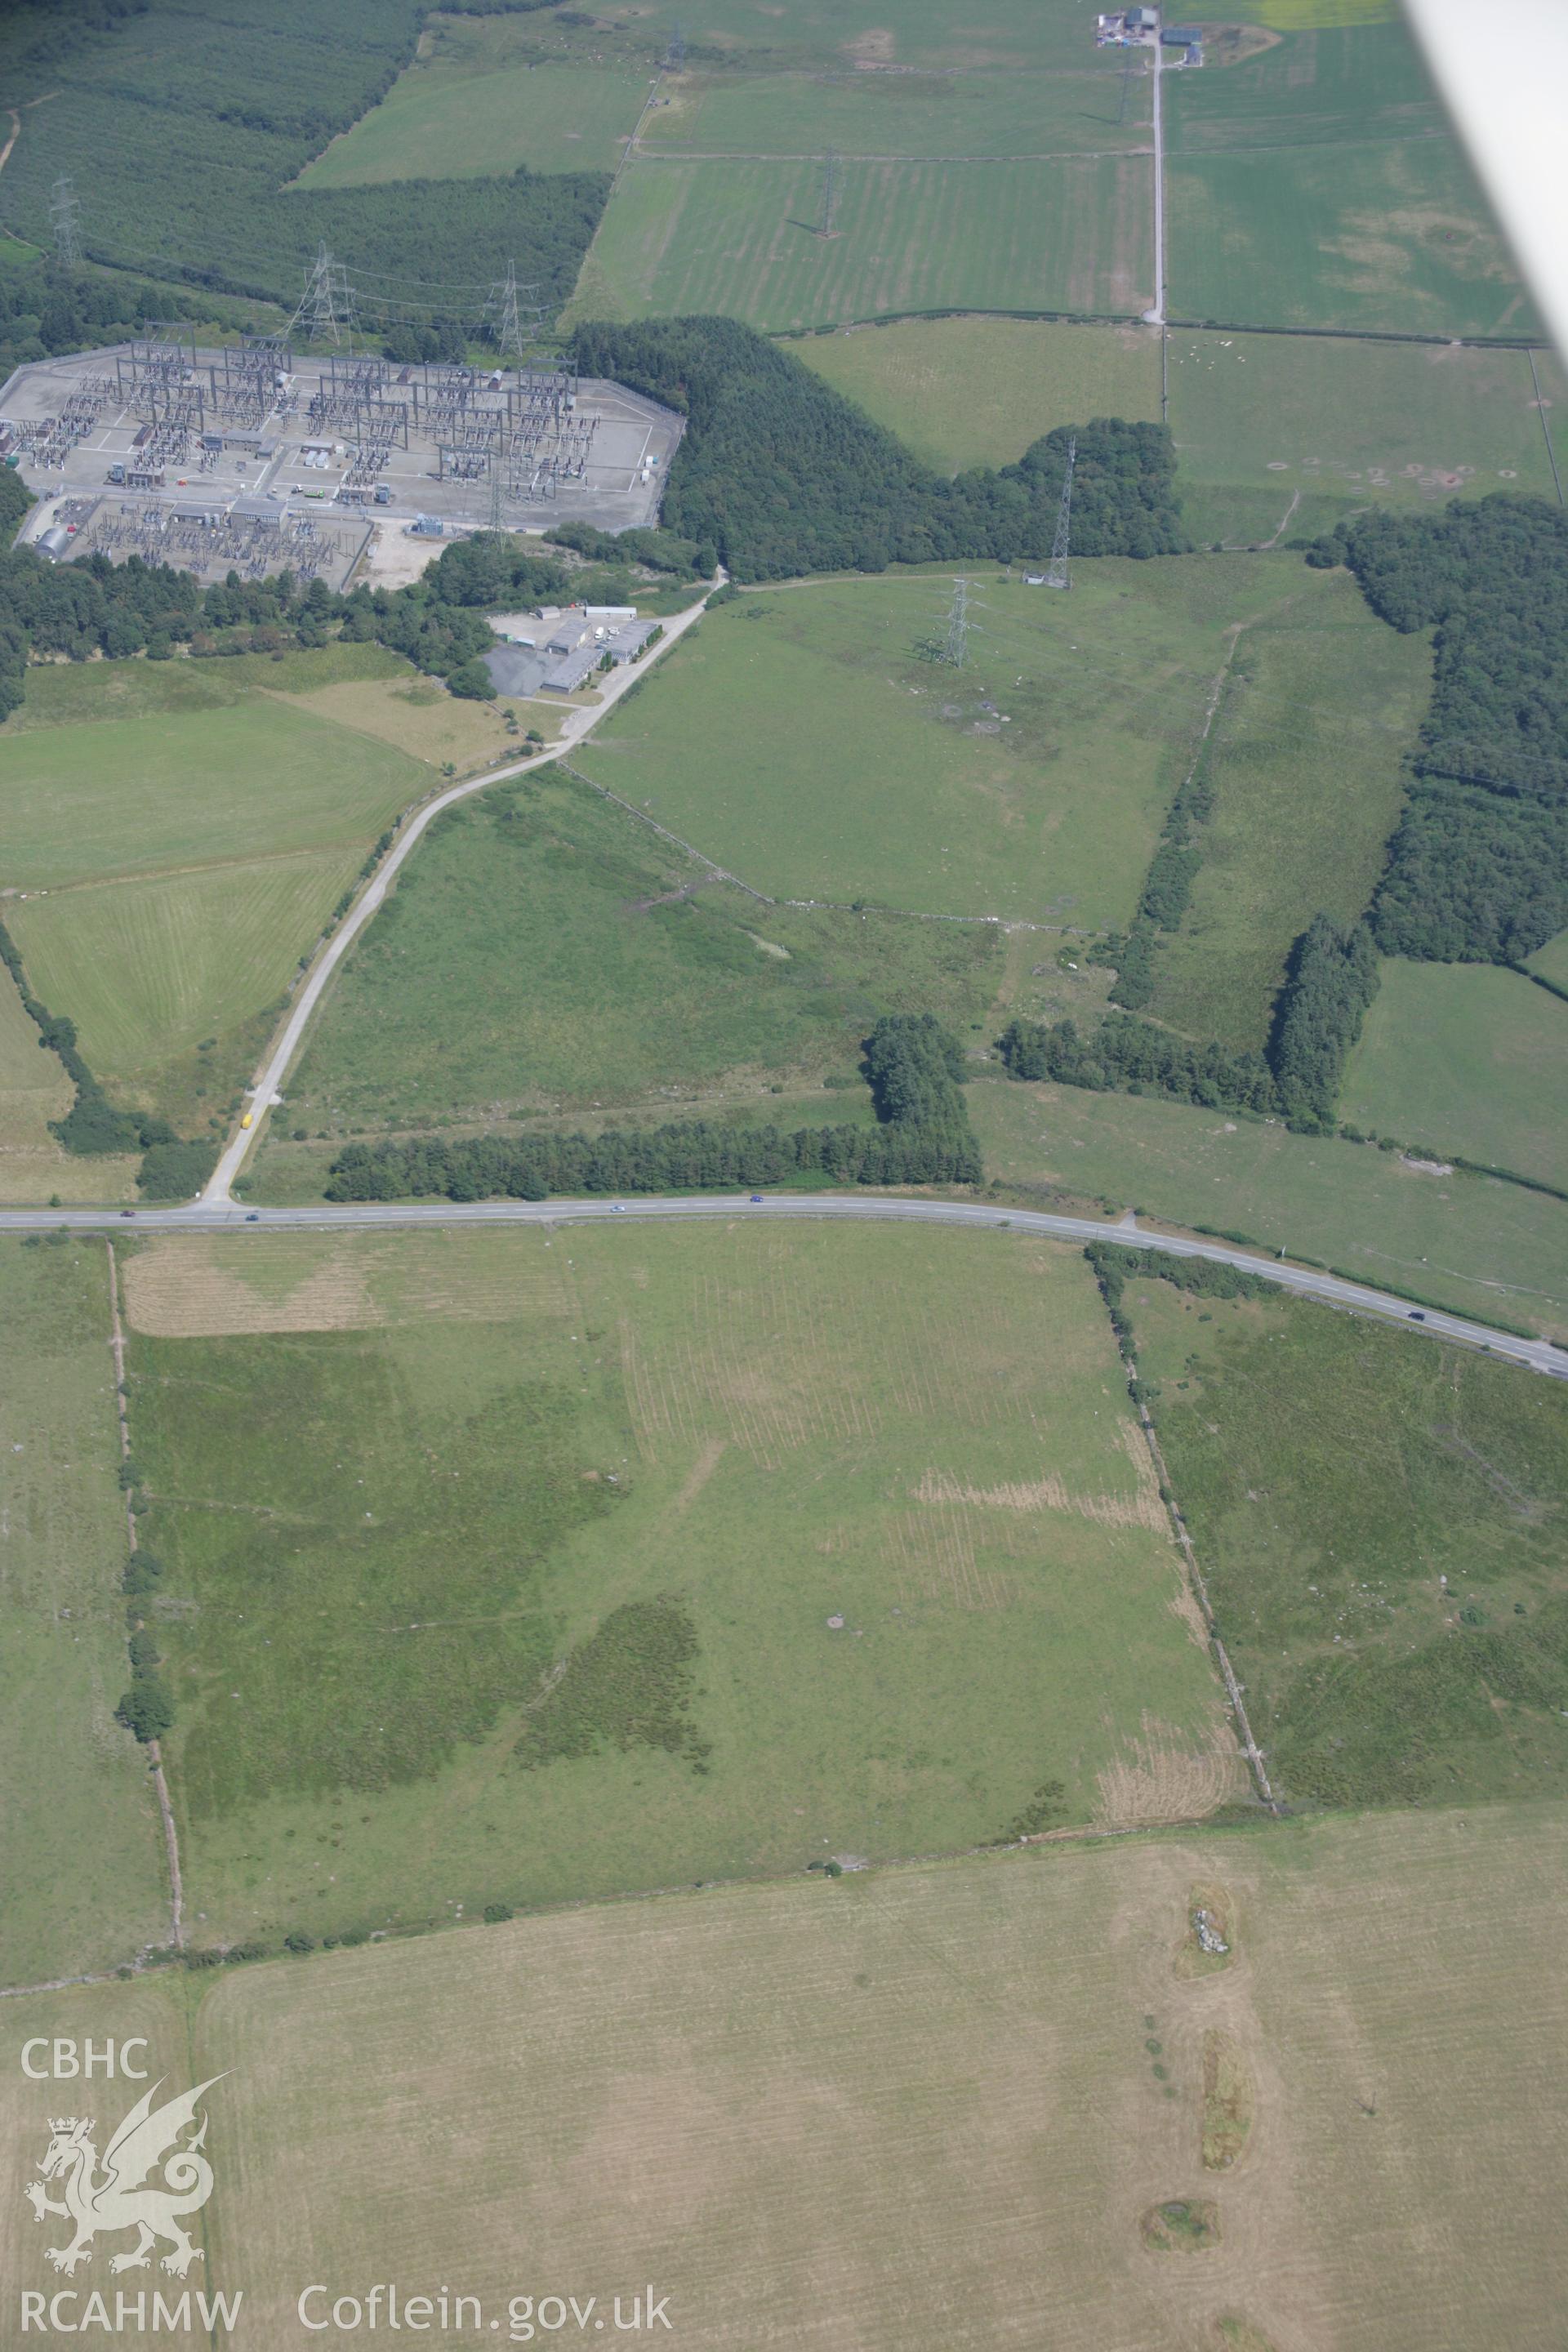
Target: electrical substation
<point x="261" y="456"/>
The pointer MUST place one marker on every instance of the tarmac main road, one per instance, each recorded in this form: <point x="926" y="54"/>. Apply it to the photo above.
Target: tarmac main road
<point x="1331" y="1289"/>
<point x="216" y="1211"/>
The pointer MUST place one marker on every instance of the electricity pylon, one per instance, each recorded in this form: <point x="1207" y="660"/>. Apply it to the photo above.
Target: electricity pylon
<point x="1056" y="572"/>
<point x="504" y="310"/>
<point x="959" y="624"/>
<point x="63" y="210"/>
<point x="326" y="311"/>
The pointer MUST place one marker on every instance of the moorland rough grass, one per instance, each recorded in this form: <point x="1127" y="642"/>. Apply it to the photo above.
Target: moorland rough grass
<point x="81" y="1872"/>
<point x="1380" y="1522"/>
<point x="806" y="743"/>
<point x="543" y="949"/>
<point x="1464" y="1058"/>
<point x="1485" y="1248"/>
<point x="1304" y="762"/>
<point x="605" y="1494"/>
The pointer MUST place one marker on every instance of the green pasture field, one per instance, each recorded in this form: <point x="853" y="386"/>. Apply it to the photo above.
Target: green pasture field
<point x="81" y="1873"/>
<point x="1236" y="519"/>
<point x="1333" y="86"/>
<point x="1310" y="15"/>
<point x="1551" y="961"/>
<point x="804" y="744"/>
<point x="174" y="790"/>
<point x="1386" y="236"/>
<point x="1380" y="1519"/>
<point x="180" y="831"/>
<point x="871" y="114"/>
<point x="1482" y="1248"/>
<point x="543" y="949"/>
<point x="1317" y="184"/>
<point x="79" y="694"/>
<point x="1270" y="424"/>
<point x="741" y="238"/>
<point x="977" y="391"/>
<point x="150" y="969"/>
<point x="646" y="2079"/>
<point x="1464" y="1058"/>
<point x="524" y="1554"/>
<point x="1322" y="701"/>
<point x="438" y="124"/>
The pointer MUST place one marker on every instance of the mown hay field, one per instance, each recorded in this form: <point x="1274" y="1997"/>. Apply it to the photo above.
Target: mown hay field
<point x="81" y="1870"/>
<point x="1486" y="1248"/>
<point x="977" y="391"/>
<point x="1380" y="1520"/>
<point x="438" y="123"/>
<point x="151" y="969"/>
<point x="806" y="743"/>
<point x="742" y="238"/>
<point x="939" y="2085"/>
<point x="1322" y="704"/>
<point x="176" y="790"/>
<point x="1464" y="1058"/>
<point x="1281" y="422"/>
<point x="520" y="1567"/>
<point x="545" y="951"/>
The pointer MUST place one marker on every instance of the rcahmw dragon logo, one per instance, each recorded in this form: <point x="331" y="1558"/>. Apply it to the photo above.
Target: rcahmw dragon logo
<point x="146" y="2142"/>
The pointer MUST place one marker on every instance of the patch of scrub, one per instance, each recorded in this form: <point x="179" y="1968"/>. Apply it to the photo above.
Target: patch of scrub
<point x="1227" y="2102"/>
<point x="1181" y="2226"/>
<point x="1209" y="1938"/>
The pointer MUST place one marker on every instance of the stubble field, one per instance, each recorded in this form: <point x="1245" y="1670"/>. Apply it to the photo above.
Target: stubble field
<point x="953" y="2092"/>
